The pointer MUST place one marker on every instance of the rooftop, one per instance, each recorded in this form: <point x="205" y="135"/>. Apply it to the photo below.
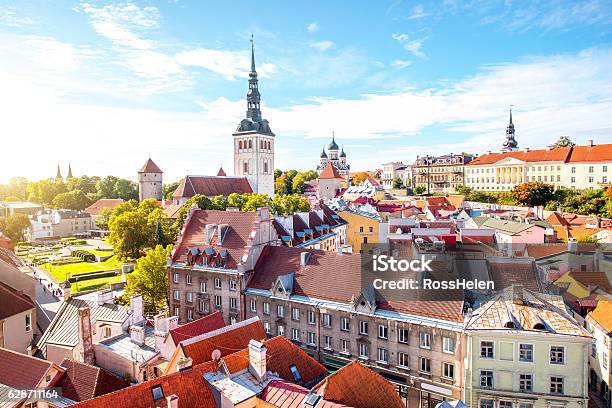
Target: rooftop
<point x="22" y="371"/>
<point x="197" y="327"/>
<point x="103" y="203"/>
<point x="82" y="381"/>
<point x="150" y="167"/>
<point x="211" y="186"/>
<point x="13" y="302"/>
<point x="124" y="346"/>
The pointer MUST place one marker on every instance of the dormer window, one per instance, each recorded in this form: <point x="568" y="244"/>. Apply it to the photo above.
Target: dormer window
<point x="510" y="325"/>
<point x="539" y="326"/>
<point x="157" y="392"/>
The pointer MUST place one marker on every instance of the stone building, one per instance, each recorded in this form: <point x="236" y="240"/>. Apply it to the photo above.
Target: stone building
<point x="441" y="174"/>
<point x="329" y="182"/>
<point x="150" y="181"/>
<point x="336" y="157"/>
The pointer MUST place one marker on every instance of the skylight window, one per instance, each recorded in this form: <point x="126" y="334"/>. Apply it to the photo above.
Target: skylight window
<point x="296" y="373"/>
<point x="158" y="393"/>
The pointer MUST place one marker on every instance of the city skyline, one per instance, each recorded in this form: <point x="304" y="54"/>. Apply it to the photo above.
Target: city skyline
<point x="117" y="82"/>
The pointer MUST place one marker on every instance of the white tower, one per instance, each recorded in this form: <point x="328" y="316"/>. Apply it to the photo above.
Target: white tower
<point x="254" y="141"/>
<point x="150" y="181"/>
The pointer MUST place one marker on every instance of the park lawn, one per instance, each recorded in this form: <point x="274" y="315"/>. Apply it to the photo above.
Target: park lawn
<point x="60" y="271"/>
<point x="98" y="252"/>
<point x="94" y="284"/>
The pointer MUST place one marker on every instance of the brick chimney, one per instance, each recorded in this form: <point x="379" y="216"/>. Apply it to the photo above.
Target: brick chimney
<point x="257" y="360"/>
<point x="136" y="308"/>
<point x="85" y="345"/>
<point x="172" y="401"/>
<point x="137" y="335"/>
<point x="184" y="363"/>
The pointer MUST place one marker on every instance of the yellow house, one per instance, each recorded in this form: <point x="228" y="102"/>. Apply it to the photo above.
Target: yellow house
<point x="525" y="351"/>
<point x="599" y="323"/>
<point x="584" y="284"/>
<point x="363" y="228"/>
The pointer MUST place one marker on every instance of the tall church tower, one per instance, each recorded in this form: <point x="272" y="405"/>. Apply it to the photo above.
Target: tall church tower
<point x="510" y="144"/>
<point x="254" y="141"/>
<point x="149" y="181"/>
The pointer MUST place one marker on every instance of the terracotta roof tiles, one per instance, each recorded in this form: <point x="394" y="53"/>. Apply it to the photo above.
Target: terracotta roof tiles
<point x="82" y="381"/>
<point x="103" y="203"/>
<point x="330" y="172"/>
<point x="557" y="155"/>
<point x="22" y="371"/>
<point x="589" y="154"/>
<point x="211" y="186"/>
<point x="197" y="327"/>
<point x="13" y="302"/>
<point x="150" y="167"/>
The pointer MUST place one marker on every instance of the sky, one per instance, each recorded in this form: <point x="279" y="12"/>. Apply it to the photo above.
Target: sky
<point x="104" y="85"/>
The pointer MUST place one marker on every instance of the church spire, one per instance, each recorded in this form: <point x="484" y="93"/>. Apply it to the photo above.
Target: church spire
<point x="253" y="96"/>
<point x="510" y="143"/>
<point x="69" y="171"/>
<point x="58" y="174"/>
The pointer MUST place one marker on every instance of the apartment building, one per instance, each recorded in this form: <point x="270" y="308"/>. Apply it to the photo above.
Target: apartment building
<point x="391" y="171"/>
<point x="441" y="174"/>
<point x="599" y="324"/>
<point x="314" y="298"/>
<point x="578" y="167"/>
<point x="17" y="319"/>
<point x="525" y="351"/>
<point x="53" y="224"/>
<point x="206" y="270"/>
<point x="362" y="228"/>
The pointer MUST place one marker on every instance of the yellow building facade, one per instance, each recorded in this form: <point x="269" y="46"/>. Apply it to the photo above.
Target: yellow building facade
<point x="361" y="229"/>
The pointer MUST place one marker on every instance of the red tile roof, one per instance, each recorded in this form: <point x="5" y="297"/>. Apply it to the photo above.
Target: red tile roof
<point x="22" y="371"/>
<point x="97" y="207"/>
<point x="150" y="167"/>
<point x="593" y="279"/>
<point x="587" y="154"/>
<point x="330" y="172"/>
<point x="221" y="172"/>
<point x="13" y="301"/>
<point x="357" y="386"/>
<point x="211" y="186"/>
<point x="558" y="155"/>
<point x="81" y="381"/>
<point x="189" y="385"/>
<point x="202" y="325"/>
<point x="506" y="274"/>
<point x="239" y="227"/>
<point x="284" y="394"/>
<point x="227" y="340"/>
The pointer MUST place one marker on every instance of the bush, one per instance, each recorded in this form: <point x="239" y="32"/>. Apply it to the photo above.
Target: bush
<point x="83" y="255"/>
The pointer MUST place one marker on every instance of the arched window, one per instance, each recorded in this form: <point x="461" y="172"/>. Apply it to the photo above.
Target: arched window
<point x="245" y="167"/>
<point x="240" y="145"/>
<point x="250" y="143"/>
<point x="265" y="167"/>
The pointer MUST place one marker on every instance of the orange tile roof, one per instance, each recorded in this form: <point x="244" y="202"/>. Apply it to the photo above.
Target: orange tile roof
<point x="330" y="172"/>
<point x="539" y="251"/>
<point x="82" y="381"/>
<point x="603" y="314"/>
<point x="150" y="167"/>
<point x="357" y="386"/>
<point x="588" y="154"/>
<point x="103" y="203"/>
<point x="22" y="371"/>
<point x="593" y="279"/>
<point x="556" y="219"/>
<point x="284" y="394"/>
<point x="211" y="186"/>
<point x="557" y="155"/>
<point x="197" y="327"/>
<point x="13" y="301"/>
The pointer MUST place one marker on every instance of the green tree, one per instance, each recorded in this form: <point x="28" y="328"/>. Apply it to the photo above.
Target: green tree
<point x="73" y="200"/>
<point x="44" y="191"/>
<point x="169" y="189"/>
<point x="103" y="217"/>
<point x="277" y="173"/>
<point x="14" y="226"/>
<point x="126" y="189"/>
<point x="17" y="187"/>
<point x="360" y="177"/>
<point x="298" y="184"/>
<point x="219" y="203"/>
<point x="150" y="279"/>
<point x="132" y="227"/>
<point x="398" y="183"/>
<point x="289" y="204"/>
<point x="310" y="175"/>
<point x="236" y="200"/>
<point x="563" y="141"/>
<point x="160" y="237"/>
<point x="280" y="185"/>
<point x="255" y="201"/>
<point x="533" y="193"/>
<point x="84" y="183"/>
<point x="418" y="190"/>
<point x="106" y="187"/>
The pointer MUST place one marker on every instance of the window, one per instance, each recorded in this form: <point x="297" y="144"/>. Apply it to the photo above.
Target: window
<point x="594" y="350"/>
<point x="217" y="301"/>
<point x="295" y="334"/>
<point x="556" y="385"/>
<point x="189" y="314"/>
<point x="176" y="278"/>
<point x="188" y="279"/>
<point x="217" y="283"/>
<point x="604" y="360"/>
<point x="281" y="330"/>
<point x="526" y="382"/>
<point x="403" y="360"/>
<point x="280" y="310"/>
<point x="486" y="379"/>
<point x="177" y="311"/>
<point x="176" y="295"/>
<point x="233" y="303"/>
<point x="267" y="327"/>
<point x="591" y="169"/>
<point x="371" y="229"/>
<point x="383" y="331"/>
<point x="232" y="284"/>
<point x="107" y="332"/>
<point x="448" y="345"/>
<point x="425" y="340"/>
<point x="253" y="305"/>
<point x="295" y="372"/>
<point x="526" y="352"/>
<point x="202" y="287"/>
<point x="505" y="404"/>
<point x="557" y="355"/>
<point x="383" y="355"/>
<point x="424" y="365"/>
<point x="486" y="349"/>
<point x="605" y="169"/>
<point x="312" y="338"/>
<point x="266" y="308"/>
<point x="573" y="170"/>
<point x="485" y="403"/>
<point x="28" y="322"/>
<point x="448" y="370"/>
<point x="345" y="324"/>
<point x="295" y="313"/>
<point x="328" y="342"/>
<point x="345" y="346"/>
<point x="402" y="336"/>
<point x="189" y="297"/>
<point x="363" y="350"/>
<point x="363" y="327"/>
<point x="202" y="306"/>
<point x="573" y="179"/>
<point x="525" y="405"/>
<point x="311" y="317"/>
<point x="327" y="320"/>
<point x="591" y="179"/>
<point x="158" y="393"/>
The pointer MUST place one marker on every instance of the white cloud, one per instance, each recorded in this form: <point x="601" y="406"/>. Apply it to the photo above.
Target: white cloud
<point x="312" y="27"/>
<point x="229" y="64"/>
<point x="400" y="37"/>
<point x="322" y="45"/>
<point x="401" y="63"/>
<point x="10" y="18"/>
<point x="418" y="12"/>
<point x="415" y="47"/>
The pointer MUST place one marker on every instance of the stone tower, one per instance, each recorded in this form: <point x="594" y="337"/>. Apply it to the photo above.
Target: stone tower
<point x="150" y="181"/>
<point x="254" y="141"/>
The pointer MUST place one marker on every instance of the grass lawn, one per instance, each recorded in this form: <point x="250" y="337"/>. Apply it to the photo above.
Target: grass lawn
<point x="92" y="284"/>
<point x="60" y="271"/>
<point x="98" y="252"/>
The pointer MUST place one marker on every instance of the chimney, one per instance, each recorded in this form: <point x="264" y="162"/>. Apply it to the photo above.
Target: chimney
<point x="85" y="346"/>
<point x="136" y="308"/>
<point x="105" y="297"/>
<point x="517" y="295"/>
<point x="137" y="335"/>
<point x="172" y="401"/>
<point x="172" y="322"/>
<point x="257" y="360"/>
<point x="304" y="258"/>
<point x="66" y="290"/>
<point x="184" y="363"/>
<point x="590" y="142"/>
<point x="572" y="245"/>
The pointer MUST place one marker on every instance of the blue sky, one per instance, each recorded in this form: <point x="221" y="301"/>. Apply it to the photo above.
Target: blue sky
<point x="105" y="84"/>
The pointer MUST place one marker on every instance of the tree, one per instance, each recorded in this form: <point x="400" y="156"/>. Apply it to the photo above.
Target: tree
<point x="103" y="217"/>
<point x="160" y="237"/>
<point x="44" y="191"/>
<point x="398" y="183"/>
<point x="150" y="279"/>
<point x="418" y="190"/>
<point x="289" y="204"/>
<point x="17" y="187"/>
<point x="169" y="189"/>
<point x="255" y="201"/>
<point x="73" y="200"/>
<point x="533" y="193"/>
<point x="106" y="187"/>
<point x="360" y="177"/>
<point x="277" y="173"/>
<point x="236" y="200"/>
<point x="310" y="175"/>
<point x="126" y="189"/>
<point x="298" y="184"/>
<point x="84" y="183"/>
<point x="563" y="141"/>
<point x="280" y="185"/>
<point x="219" y="203"/>
<point x="132" y="228"/>
<point x="14" y="226"/>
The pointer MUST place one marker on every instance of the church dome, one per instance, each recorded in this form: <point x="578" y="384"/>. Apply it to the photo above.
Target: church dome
<point x="342" y="154"/>
<point x="323" y="154"/>
<point x="332" y="145"/>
